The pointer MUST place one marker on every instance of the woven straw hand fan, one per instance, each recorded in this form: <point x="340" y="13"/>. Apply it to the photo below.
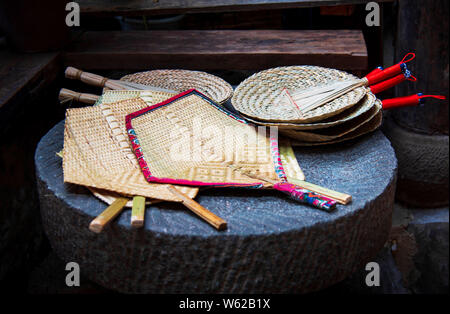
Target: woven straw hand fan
<point x="306" y="94"/>
<point x="190" y="140"/>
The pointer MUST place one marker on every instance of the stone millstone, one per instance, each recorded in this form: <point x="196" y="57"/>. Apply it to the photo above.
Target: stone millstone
<point x="272" y="244"/>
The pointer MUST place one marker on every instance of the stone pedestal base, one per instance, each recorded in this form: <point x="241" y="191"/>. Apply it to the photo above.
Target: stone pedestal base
<point x="272" y="244"/>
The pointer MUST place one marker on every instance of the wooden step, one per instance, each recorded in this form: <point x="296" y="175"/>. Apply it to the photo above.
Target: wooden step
<point x="217" y="49"/>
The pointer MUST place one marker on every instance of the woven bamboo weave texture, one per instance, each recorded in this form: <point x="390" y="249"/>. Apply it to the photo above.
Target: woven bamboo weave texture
<point x="93" y="156"/>
<point x="181" y="80"/>
<point x="189" y="139"/>
<point x="261" y="96"/>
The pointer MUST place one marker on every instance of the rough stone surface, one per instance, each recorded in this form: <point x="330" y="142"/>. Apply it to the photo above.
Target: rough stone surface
<point x="49" y="278"/>
<point x="423" y="166"/>
<point x="272" y="245"/>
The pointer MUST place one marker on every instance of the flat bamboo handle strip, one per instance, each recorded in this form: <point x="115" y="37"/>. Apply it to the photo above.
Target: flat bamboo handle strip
<point x="339" y="197"/>
<point x="91" y="79"/>
<point x="138" y="212"/>
<point x="199" y="210"/>
<point x="108" y="215"/>
<point x="65" y="93"/>
<point x="307" y="196"/>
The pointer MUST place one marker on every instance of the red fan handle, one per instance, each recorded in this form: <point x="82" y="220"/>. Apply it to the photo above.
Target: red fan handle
<point x="379" y="76"/>
<point x="407" y="101"/>
<point x="382" y="86"/>
<point x="375" y="71"/>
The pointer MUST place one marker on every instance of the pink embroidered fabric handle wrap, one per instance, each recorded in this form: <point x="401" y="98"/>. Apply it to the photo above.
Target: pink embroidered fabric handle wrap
<point x="306" y="196"/>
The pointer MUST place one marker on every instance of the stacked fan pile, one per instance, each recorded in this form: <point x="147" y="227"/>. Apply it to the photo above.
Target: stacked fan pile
<point x="316" y="106"/>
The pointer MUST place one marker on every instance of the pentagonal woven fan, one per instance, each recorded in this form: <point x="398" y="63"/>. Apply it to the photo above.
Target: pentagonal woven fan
<point x="190" y="140"/>
<point x="97" y="154"/>
<point x="181" y="80"/>
<point x="262" y="96"/>
<point x="115" y="110"/>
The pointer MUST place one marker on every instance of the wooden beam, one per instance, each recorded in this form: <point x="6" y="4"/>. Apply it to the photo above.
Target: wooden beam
<point x="215" y="50"/>
<point x="149" y="7"/>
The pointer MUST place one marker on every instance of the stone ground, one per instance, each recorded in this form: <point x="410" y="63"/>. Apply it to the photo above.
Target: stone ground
<point x="415" y="260"/>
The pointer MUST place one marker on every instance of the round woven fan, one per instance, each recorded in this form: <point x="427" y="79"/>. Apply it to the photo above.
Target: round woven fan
<point x="181" y="80"/>
<point x="261" y="95"/>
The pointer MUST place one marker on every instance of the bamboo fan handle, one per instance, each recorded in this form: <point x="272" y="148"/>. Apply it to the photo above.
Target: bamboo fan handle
<point x="108" y="215"/>
<point x="91" y="79"/>
<point x="65" y="93"/>
<point x="138" y="212"/>
<point x="341" y="198"/>
<point x="199" y="210"/>
<point x="306" y="196"/>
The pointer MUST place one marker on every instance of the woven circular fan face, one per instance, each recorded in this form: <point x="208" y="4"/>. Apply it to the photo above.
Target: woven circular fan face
<point x="181" y="80"/>
<point x="367" y="127"/>
<point x="354" y="112"/>
<point x="260" y="96"/>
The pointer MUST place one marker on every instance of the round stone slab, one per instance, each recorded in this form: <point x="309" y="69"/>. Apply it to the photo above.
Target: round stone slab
<point x="272" y="244"/>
